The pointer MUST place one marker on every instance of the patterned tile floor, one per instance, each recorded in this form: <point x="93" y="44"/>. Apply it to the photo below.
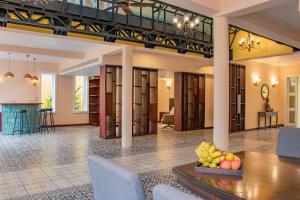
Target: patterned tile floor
<point x="53" y="166"/>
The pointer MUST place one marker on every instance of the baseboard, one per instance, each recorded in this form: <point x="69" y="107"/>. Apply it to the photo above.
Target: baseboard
<point x="261" y="128"/>
<point x="63" y="125"/>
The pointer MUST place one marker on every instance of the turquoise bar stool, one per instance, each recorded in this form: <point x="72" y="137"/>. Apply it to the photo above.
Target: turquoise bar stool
<point x="21" y="115"/>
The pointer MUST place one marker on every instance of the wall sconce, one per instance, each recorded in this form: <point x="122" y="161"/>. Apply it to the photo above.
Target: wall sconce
<point x="256" y="80"/>
<point x="274" y="82"/>
<point x="168" y="83"/>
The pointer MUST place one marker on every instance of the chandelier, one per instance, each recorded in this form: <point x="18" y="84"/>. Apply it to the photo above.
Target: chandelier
<point x="39" y="2"/>
<point x="186" y="26"/>
<point x="249" y="43"/>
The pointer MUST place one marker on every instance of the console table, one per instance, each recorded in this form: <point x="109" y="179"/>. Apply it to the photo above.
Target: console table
<point x="266" y="115"/>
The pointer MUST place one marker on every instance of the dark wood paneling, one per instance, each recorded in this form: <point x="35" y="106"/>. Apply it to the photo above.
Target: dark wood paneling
<point x="189" y="93"/>
<point x="178" y="101"/>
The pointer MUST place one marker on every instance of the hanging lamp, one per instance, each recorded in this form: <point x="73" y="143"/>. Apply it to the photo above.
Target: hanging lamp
<point x="9" y="74"/>
<point x="34" y="78"/>
<point x="27" y="75"/>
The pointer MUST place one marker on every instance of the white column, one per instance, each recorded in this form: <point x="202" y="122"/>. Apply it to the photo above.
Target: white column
<point x="221" y="83"/>
<point x="127" y="70"/>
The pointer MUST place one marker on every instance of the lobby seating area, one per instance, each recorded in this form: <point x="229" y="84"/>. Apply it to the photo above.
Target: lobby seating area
<point x="149" y="100"/>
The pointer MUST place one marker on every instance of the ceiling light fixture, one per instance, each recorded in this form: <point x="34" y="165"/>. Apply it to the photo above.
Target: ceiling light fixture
<point x="186" y="26"/>
<point x="27" y="75"/>
<point x="9" y="74"/>
<point x="249" y="43"/>
<point x="34" y="78"/>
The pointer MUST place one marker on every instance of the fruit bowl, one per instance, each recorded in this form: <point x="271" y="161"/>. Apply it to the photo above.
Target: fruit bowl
<point x="212" y="160"/>
<point x="218" y="171"/>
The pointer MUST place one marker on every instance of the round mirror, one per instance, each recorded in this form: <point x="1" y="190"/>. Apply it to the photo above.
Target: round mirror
<point x="264" y="91"/>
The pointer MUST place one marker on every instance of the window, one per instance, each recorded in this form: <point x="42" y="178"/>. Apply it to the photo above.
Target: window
<point x="48" y="90"/>
<point x="81" y="94"/>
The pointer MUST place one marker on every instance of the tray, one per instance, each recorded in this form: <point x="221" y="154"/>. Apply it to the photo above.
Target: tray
<point x="219" y="171"/>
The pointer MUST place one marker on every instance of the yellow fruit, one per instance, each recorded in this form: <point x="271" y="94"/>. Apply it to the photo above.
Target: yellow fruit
<point x="236" y="157"/>
<point x="229" y="157"/>
<point x="202" y="160"/>
<point x="209" y="159"/>
<point x="216" y="154"/>
<point x="216" y="161"/>
<point x="212" y="165"/>
<point x="212" y="149"/>
<point x="222" y="158"/>
<point x="198" y="152"/>
<point x="205" y="164"/>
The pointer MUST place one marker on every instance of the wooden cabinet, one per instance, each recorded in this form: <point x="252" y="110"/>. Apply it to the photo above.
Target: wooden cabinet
<point x="144" y="116"/>
<point x="94" y="87"/>
<point x="189" y="92"/>
<point x="110" y="101"/>
<point x="237" y="92"/>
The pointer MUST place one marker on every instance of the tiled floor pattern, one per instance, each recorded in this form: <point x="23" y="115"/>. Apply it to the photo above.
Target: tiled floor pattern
<point x="45" y="165"/>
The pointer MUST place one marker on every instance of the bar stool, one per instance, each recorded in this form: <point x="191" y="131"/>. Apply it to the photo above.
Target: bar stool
<point x="50" y="111"/>
<point x="38" y="120"/>
<point x="22" y="115"/>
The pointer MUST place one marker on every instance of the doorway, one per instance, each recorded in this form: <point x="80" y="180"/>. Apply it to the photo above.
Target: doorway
<point x="292" y="101"/>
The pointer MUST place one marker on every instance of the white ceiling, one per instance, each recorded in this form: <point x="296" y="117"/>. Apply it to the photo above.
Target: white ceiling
<point x="45" y="41"/>
<point x="281" y="61"/>
<point x="22" y="57"/>
<point x="286" y="14"/>
<point x="33" y="40"/>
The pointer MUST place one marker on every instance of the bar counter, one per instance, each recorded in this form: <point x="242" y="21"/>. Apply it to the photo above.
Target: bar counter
<point x="9" y="112"/>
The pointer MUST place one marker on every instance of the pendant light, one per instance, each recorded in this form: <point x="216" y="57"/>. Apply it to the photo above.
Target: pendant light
<point x="9" y="74"/>
<point x="27" y="75"/>
<point x="34" y="78"/>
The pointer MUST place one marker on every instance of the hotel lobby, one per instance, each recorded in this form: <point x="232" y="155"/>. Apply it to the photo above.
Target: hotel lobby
<point x="148" y="99"/>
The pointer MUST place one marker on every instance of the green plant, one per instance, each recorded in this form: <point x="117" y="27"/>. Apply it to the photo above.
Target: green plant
<point x="78" y="99"/>
<point x="47" y="102"/>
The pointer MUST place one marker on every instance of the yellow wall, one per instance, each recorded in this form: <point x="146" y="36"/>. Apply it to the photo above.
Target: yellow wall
<point x="267" y="48"/>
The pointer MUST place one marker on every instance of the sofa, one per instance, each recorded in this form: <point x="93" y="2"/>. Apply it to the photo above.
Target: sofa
<point x="166" y="192"/>
<point x="288" y="143"/>
<point x="114" y="182"/>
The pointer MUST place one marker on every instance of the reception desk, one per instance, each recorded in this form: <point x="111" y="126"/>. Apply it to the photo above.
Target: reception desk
<point x="9" y="113"/>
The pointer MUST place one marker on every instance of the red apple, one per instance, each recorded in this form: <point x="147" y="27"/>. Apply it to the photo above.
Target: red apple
<point x="225" y="164"/>
<point x="236" y="164"/>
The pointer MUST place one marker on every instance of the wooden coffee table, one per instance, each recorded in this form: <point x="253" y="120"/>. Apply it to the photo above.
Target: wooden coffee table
<point x="266" y="177"/>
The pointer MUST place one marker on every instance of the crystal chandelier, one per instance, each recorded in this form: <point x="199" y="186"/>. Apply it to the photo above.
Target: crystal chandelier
<point x="39" y="2"/>
<point x="249" y="43"/>
<point x="187" y="25"/>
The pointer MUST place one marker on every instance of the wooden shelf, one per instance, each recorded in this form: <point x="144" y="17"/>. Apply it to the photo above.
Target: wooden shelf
<point x="94" y="83"/>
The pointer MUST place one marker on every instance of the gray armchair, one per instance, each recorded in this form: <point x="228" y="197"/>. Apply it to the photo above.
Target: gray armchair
<point x="165" y="192"/>
<point x="288" y="143"/>
<point x="111" y="181"/>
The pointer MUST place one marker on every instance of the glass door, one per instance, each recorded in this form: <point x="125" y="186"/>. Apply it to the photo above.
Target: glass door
<point x="292" y="90"/>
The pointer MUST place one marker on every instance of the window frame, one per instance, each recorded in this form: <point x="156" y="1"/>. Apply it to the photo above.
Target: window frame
<point x="54" y="74"/>
<point x="86" y="95"/>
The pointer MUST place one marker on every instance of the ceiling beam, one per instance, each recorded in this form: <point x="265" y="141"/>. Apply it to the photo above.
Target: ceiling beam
<point x="42" y="52"/>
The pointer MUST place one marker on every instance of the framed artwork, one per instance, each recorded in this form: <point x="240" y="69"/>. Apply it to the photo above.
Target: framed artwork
<point x="265" y="91"/>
